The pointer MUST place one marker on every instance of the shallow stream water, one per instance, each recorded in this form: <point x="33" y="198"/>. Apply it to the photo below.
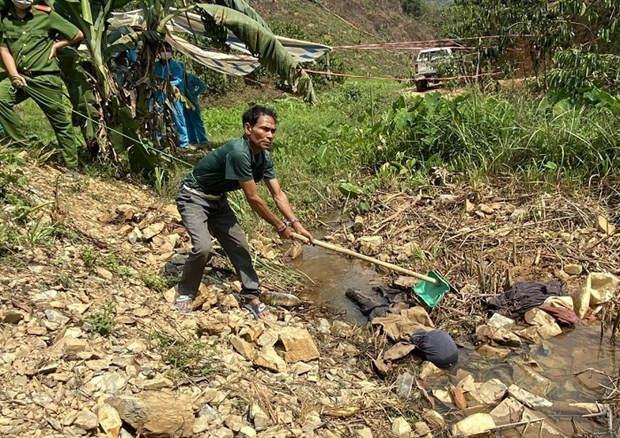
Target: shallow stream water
<point x="560" y="358"/>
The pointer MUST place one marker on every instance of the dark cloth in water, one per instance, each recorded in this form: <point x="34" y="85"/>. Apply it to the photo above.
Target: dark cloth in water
<point x="376" y="303"/>
<point x="523" y="296"/>
<point x="436" y="346"/>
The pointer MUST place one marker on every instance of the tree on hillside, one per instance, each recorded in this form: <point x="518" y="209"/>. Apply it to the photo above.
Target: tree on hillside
<point x="540" y="32"/>
<point x="413" y="8"/>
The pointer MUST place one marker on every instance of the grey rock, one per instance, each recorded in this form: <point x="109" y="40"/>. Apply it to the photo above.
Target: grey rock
<point x="404" y="383"/>
<point x="527" y="398"/>
<point x="156" y="413"/>
<point x="109" y="383"/>
<point x="532" y="381"/>
<point x="48" y="295"/>
<point x="474" y="424"/>
<point x="500" y="321"/>
<point x="86" y="420"/>
<point x="42" y="399"/>
<point x="507" y="412"/>
<point x="234" y="422"/>
<point x="56" y="317"/>
<point x="490" y="392"/>
<point x="400" y="427"/>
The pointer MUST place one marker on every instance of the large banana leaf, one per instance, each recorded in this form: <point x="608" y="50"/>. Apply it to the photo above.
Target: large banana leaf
<point x="243" y="7"/>
<point x="263" y="44"/>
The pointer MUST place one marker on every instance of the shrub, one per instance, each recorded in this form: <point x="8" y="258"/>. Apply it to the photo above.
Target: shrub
<point x="102" y="322"/>
<point x="413" y="8"/>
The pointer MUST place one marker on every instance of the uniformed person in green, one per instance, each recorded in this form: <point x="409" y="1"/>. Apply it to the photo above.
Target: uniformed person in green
<point x="31" y="37"/>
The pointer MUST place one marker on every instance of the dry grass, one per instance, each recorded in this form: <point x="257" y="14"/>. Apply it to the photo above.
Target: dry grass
<point x="481" y="253"/>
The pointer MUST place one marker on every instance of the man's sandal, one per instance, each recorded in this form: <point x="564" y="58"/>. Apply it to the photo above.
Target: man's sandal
<point x="183" y="303"/>
<point x="256" y="309"/>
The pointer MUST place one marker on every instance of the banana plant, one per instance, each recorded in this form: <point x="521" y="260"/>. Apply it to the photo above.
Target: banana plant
<point x="90" y="16"/>
<point x="263" y="44"/>
<point x="131" y="129"/>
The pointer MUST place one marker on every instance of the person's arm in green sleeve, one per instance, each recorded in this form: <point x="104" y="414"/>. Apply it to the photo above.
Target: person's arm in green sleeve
<point x="72" y="33"/>
<point x="17" y="80"/>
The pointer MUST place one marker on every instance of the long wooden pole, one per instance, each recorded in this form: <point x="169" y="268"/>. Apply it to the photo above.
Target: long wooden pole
<point x="372" y="260"/>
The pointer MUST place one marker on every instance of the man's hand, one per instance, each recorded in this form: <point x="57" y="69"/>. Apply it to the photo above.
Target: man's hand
<point x="18" y="81"/>
<point x="53" y="52"/>
<point x="299" y="229"/>
<point x="287" y="233"/>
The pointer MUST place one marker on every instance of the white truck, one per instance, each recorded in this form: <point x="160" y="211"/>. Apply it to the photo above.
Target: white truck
<point x="425" y="70"/>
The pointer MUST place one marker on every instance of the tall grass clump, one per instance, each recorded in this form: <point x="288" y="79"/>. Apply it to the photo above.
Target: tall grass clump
<point x="473" y="133"/>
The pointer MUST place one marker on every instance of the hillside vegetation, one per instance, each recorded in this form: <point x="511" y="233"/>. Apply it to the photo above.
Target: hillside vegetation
<point x="367" y="21"/>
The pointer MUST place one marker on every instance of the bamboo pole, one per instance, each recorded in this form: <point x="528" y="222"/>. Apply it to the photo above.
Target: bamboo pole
<point x="372" y="260"/>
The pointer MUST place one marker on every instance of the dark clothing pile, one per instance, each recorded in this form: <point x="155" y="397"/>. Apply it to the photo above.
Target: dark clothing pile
<point x="376" y="303"/>
<point x="436" y="346"/>
<point x="523" y="296"/>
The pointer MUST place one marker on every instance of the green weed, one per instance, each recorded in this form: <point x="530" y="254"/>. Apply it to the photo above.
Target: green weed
<point x="90" y="257"/>
<point x="115" y="265"/>
<point x="33" y="116"/>
<point x="64" y="279"/>
<point x="420" y="255"/>
<point x="156" y="283"/>
<point x="19" y="208"/>
<point x="10" y="239"/>
<point x="102" y="322"/>
<point x="40" y="233"/>
<point x="99" y="172"/>
<point x="186" y="357"/>
<point x="487" y="135"/>
<point x="160" y="181"/>
<point x="11" y="161"/>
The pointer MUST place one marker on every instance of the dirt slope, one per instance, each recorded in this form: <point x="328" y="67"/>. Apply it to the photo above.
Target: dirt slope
<point x="324" y="19"/>
<point x="351" y="22"/>
<point x="219" y="368"/>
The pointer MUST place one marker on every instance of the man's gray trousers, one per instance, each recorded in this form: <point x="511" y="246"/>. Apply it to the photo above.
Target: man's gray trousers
<point x="203" y="217"/>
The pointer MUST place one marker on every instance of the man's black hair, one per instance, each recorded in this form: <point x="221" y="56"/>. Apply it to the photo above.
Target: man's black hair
<point x="252" y="115"/>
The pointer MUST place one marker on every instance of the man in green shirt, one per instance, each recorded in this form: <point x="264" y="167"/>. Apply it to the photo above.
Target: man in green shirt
<point x="238" y="164"/>
<point x="31" y="38"/>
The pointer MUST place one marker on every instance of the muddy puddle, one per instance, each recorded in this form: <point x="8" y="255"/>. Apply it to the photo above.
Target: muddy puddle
<point x="333" y="275"/>
<point x="574" y="362"/>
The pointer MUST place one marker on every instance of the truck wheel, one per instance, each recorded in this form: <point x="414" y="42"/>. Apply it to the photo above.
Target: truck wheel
<point x="420" y="85"/>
